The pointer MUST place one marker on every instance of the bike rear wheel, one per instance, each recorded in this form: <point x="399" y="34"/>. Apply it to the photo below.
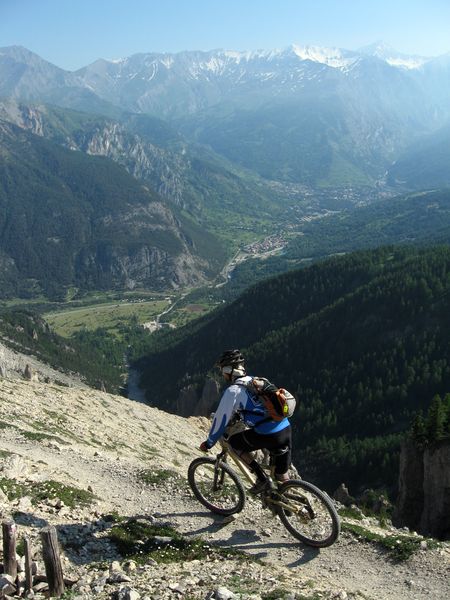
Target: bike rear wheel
<point x="216" y="486"/>
<point x="308" y="514"/>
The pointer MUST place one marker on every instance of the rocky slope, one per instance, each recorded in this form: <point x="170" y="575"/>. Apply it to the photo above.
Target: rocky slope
<point x="119" y="451"/>
<point x="193" y="178"/>
<point x="16" y="365"/>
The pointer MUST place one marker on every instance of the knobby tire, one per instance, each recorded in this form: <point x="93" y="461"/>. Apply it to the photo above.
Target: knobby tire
<point x="219" y="489"/>
<point x="316" y="523"/>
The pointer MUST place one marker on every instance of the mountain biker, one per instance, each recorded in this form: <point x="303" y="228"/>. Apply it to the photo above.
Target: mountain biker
<point x="263" y="433"/>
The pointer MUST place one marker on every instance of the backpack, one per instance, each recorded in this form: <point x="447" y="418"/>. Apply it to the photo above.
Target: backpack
<point x="278" y="402"/>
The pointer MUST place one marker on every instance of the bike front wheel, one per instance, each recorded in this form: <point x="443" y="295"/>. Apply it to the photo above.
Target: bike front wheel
<point x="216" y="486"/>
<point x="308" y="514"/>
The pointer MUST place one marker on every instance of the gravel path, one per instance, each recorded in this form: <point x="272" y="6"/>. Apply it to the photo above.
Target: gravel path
<point x="103" y="442"/>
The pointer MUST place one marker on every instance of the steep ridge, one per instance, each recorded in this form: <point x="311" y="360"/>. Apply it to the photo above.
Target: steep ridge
<point x="15" y="364"/>
<point x="103" y="443"/>
<point x="196" y="180"/>
<point x="26" y="75"/>
<point x="109" y="230"/>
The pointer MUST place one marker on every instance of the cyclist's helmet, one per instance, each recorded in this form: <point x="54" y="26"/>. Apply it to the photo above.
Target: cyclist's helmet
<point x="231" y="358"/>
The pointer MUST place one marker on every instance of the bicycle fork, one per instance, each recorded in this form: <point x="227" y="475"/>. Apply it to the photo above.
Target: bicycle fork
<point x="219" y="474"/>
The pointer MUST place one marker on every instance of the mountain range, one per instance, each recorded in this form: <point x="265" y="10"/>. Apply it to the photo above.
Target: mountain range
<point x="229" y="146"/>
<point x="308" y="115"/>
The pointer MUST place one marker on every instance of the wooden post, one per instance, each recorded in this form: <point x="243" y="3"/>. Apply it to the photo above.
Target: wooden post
<point x="9" y="548"/>
<point x="28" y="565"/>
<point x="52" y="561"/>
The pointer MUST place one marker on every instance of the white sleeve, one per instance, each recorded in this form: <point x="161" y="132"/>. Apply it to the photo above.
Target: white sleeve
<point x="227" y="407"/>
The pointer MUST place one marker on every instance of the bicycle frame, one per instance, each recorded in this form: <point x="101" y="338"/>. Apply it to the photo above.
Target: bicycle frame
<point x="227" y="451"/>
<point x="271" y="499"/>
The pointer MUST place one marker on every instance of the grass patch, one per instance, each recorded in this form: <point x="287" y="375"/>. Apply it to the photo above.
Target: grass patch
<point x="108" y="315"/>
<point x="69" y="595"/>
<point x="114" y="517"/>
<point x="158" y="476"/>
<point x="358" y="513"/>
<point x="183" y="451"/>
<point x="46" y="490"/>
<point x="38" y="436"/>
<point x="350" y="513"/>
<point x="56" y="416"/>
<point x="150" y="450"/>
<point x="5" y="454"/>
<point x="13" y="489"/>
<point x="244" y="587"/>
<point x="400" y="547"/>
<point x="281" y="594"/>
<point x="140" y="541"/>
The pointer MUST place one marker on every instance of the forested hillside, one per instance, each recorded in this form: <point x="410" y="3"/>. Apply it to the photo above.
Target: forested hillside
<point x="68" y="219"/>
<point x="363" y="341"/>
<point x="195" y="179"/>
<point x="435" y="425"/>
<point x="99" y="365"/>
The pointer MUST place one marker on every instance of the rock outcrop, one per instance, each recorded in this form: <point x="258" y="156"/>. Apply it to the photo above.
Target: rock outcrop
<point x="190" y="403"/>
<point x="209" y="398"/>
<point x="435" y="519"/>
<point x="424" y="489"/>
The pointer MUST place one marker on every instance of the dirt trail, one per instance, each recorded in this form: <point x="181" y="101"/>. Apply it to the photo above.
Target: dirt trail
<point x="104" y="442"/>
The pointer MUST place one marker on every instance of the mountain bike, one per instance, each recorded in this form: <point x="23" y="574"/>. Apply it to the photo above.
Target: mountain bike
<point x="306" y="512"/>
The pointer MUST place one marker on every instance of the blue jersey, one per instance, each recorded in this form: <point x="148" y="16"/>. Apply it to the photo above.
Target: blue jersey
<point x="237" y="398"/>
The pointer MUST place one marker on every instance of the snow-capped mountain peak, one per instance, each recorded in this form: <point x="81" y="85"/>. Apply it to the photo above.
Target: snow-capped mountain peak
<point x="333" y="57"/>
<point x="393" y="57"/>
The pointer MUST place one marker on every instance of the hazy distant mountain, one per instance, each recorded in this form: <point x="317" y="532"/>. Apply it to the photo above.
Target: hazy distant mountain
<point x="308" y="115"/>
<point x="426" y="164"/>
<point x="26" y="76"/>
<point x="186" y="82"/>
<point x="393" y="57"/>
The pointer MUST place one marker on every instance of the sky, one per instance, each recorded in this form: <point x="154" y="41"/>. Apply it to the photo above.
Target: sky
<point x="74" y="33"/>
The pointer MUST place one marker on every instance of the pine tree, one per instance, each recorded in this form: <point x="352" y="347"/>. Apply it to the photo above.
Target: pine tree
<point x="419" y="431"/>
<point x="447" y="419"/>
<point x="436" y="420"/>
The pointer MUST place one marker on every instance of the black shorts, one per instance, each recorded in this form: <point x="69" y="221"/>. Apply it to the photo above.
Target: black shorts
<point x="249" y="440"/>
